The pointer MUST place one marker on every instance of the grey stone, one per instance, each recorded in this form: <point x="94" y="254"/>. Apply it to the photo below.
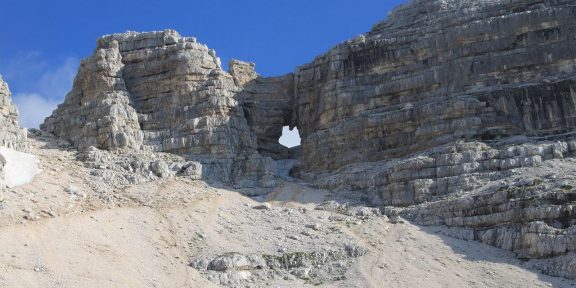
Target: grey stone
<point x="264" y="206"/>
<point x="193" y="170"/>
<point x="424" y="112"/>
<point x="316" y="267"/>
<point x="125" y="98"/>
<point x="353" y="250"/>
<point x="160" y="169"/>
<point x="11" y="135"/>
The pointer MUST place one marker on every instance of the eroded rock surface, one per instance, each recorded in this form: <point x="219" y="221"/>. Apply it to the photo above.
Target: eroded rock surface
<point x="267" y="104"/>
<point x="158" y="91"/>
<point x="315" y="267"/>
<point x="436" y="72"/>
<point x="11" y="135"/>
<point x="16" y="167"/>
<point x="437" y="104"/>
<point x="432" y="114"/>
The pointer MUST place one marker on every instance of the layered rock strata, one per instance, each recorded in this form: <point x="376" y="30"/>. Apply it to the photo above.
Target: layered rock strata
<point x="434" y="105"/>
<point x="11" y="135"/>
<point x="435" y="72"/>
<point x="267" y="105"/>
<point x="162" y="92"/>
<point x="518" y="196"/>
<point x="427" y="111"/>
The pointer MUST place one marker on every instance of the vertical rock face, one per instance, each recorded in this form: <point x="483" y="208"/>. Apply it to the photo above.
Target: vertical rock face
<point x="436" y="106"/>
<point x="97" y="111"/>
<point x="162" y="92"/>
<point x="16" y="167"/>
<point x="267" y="104"/>
<point x="11" y="135"/>
<point x="435" y="72"/>
<point x="427" y="111"/>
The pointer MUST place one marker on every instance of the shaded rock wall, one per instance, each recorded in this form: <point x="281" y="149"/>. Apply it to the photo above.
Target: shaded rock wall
<point x="267" y="104"/>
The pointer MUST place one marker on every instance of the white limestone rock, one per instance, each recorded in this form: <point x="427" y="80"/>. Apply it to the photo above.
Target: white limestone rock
<point x="158" y="91"/>
<point x="11" y="135"/>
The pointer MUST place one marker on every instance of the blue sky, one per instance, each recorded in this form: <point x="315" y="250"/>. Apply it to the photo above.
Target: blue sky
<point x="43" y="41"/>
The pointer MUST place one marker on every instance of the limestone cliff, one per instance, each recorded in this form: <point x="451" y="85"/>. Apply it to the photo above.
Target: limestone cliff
<point x="435" y="72"/>
<point x="435" y="105"/>
<point x="431" y="112"/>
<point x="162" y="92"/>
<point x="11" y="135"/>
<point x="16" y="167"/>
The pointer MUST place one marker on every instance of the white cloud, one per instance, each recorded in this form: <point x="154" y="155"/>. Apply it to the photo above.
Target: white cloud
<point x="24" y="66"/>
<point x="54" y="84"/>
<point x="290" y="138"/>
<point x="38" y="86"/>
<point x="34" y="108"/>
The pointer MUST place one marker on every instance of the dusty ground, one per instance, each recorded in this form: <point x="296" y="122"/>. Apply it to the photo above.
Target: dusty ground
<point x="149" y="234"/>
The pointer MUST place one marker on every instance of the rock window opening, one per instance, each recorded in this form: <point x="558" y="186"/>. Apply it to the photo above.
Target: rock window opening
<point x="290" y="138"/>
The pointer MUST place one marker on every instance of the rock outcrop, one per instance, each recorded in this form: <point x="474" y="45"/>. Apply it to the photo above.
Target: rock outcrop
<point x="16" y="167"/>
<point x="159" y="91"/>
<point x="433" y="105"/>
<point x="425" y="112"/>
<point x="11" y="135"/>
<point x="436" y="72"/>
<point x="315" y="267"/>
